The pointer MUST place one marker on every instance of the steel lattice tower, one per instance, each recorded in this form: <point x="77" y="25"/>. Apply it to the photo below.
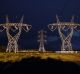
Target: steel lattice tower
<point x="12" y="40"/>
<point x="66" y="40"/>
<point x="42" y="40"/>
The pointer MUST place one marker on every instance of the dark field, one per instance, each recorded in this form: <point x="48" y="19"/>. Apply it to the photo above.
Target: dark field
<point x="37" y="65"/>
<point x="14" y="57"/>
<point x="39" y="62"/>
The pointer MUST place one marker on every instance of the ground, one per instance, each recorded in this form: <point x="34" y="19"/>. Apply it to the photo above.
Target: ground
<point x="14" y="57"/>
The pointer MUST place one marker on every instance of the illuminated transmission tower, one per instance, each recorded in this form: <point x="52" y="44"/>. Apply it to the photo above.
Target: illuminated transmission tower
<point x="12" y="40"/>
<point x="64" y="26"/>
<point x="42" y="40"/>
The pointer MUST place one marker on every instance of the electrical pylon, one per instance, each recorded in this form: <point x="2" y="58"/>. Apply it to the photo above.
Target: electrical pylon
<point x="66" y="40"/>
<point x="42" y="40"/>
<point x="12" y="40"/>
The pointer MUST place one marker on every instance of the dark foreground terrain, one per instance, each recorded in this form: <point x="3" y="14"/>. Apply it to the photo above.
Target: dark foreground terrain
<point x="37" y="65"/>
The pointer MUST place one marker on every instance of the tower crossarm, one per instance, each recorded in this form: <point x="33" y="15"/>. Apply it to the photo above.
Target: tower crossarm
<point x="64" y="24"/>
<point x="13" y="24"/>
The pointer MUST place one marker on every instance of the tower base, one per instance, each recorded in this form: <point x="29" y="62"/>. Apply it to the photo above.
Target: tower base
<point x="66" y="51"/>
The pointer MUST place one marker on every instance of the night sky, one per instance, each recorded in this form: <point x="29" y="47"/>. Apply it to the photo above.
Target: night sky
<point x="40" y="13"/>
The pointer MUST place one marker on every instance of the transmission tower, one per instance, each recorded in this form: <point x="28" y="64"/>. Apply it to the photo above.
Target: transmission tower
<point x="12" y="40"/>
<point x="41" y="40"/>
<point x="65" y="26"/>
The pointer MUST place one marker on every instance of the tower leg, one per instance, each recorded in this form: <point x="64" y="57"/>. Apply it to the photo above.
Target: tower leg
<point x="41" y="48"/>
<point x="66" y="40"/>
<point x="66" y="46"/>
<point x="12" y="46"/>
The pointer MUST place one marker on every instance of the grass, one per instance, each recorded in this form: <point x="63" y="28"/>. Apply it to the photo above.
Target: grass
<point x="13" y="57"/>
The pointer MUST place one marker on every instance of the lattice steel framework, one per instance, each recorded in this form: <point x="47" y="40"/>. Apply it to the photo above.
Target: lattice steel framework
<point x="12" y="40"/>
<point x="42" y="40"/>
<point x="66" y="40"/>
